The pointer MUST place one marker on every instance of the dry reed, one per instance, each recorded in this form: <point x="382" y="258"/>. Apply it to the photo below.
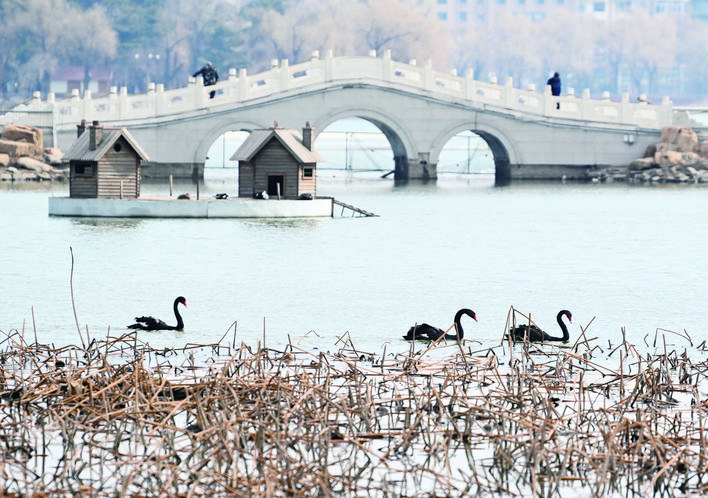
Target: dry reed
<point x="118" y="418"/>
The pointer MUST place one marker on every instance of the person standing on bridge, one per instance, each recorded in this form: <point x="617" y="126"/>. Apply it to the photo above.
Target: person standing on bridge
<point x="210" y="76"/>
<point x="555" y="83"/>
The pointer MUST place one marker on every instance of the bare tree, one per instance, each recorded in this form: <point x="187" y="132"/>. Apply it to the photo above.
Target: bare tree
<point x="692" y="57"/>
<point x="567" y="43"/>
<point x="470" y="49"/>
<point x="197" y="31"/>
<point x="95" y="42"/>
<point x="410" y="33"/>
<point x="516" y="49"/>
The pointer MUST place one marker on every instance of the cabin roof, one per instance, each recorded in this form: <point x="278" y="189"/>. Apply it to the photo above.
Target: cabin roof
<point x="80" y="151"/>
<point x="291" y="140"/>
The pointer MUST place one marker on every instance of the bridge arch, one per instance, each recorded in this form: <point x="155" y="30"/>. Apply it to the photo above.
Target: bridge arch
<point x="503" y="149"/>
<point x="212" y="134"/>
<point x="398" y="137"/>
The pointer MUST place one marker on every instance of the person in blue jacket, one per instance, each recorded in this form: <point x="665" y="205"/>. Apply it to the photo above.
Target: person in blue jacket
<point x="555" y="84"/>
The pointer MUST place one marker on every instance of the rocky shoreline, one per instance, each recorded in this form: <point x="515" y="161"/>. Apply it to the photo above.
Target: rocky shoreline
<point x="678" y="158"/>
<point x="23" y="157"/>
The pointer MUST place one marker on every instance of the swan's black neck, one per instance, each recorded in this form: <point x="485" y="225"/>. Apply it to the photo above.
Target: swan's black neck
<point x="562" y="325"/>
<point x="180" y="323"/>
<point x="458" y="323"/>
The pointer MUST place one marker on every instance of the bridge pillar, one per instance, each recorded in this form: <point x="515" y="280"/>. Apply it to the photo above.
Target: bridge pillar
<point x="419" y="168"/>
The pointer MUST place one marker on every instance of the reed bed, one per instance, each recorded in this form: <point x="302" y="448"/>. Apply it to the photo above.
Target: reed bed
<point x="116" y="417"/>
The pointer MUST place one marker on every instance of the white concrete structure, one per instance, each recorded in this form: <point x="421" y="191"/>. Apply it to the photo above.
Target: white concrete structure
<point x="532" y="134"/>
<point x="146" y="207"/>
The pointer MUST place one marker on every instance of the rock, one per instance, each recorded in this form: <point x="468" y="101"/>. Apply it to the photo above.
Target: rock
<point x="669" y="134"/>
<point x="17" y="149"/>
<point x="34" y="165"/>
<point x="4" y="160"/>
<point x="668" y="158"/>
<point x="689" y="159"/>
<point x="22" y="133"/>
<point x="692" y="173"/>
<point x="53" y="155"/>
<point x="22" y="140"/>
<point x="664" y="146"/>
<point x="642" y="164"/>
<point x="650" y="151"/>
<point x="703" y="149"/>
<point x="685" y="139"/>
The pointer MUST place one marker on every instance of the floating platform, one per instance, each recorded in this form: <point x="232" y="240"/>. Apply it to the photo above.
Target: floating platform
<point x="170" y="207"/>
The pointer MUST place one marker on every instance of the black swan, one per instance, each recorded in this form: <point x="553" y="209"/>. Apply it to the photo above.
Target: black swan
<point x="425" y="332"/>
<point x="535" y="334"/>
<point x="150" y="323"/>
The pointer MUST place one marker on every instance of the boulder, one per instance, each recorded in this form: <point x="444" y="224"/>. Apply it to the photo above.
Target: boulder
<point x="668" y="159"/>
<point x="689" y="159"/>
<point x="650" y="150"/>
<point x="664" y="146"/>
<point x="685" y="139"/>
<point x="53" y="155"/>
<point x="17" y="149"/>
<point x="703" y="148"/>
<point x="669" y="134"/>
<point x="14" y="132"/>
<point x="4" y="160"/>
<point x="34" y="165"/>
<point x="642" y="164"/>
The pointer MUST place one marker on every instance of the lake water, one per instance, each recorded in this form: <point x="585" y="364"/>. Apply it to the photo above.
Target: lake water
<point x="615" y="255"/>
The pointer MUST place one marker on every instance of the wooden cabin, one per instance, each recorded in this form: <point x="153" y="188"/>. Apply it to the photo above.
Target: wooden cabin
<point x="104" y="163"/>
<point x="278" y="161"/>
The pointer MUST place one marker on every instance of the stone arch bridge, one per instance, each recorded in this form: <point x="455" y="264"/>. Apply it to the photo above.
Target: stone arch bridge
<point x="532" y="134"/>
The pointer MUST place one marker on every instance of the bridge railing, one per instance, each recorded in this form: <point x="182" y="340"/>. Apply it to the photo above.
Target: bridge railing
<point x="119" y="108"/>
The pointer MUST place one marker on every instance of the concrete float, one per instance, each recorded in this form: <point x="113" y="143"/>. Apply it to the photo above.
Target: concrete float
<point x="166" y="207"/>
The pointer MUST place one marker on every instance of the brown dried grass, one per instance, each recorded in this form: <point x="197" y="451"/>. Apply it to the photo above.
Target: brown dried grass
<point x="118" y="418"/>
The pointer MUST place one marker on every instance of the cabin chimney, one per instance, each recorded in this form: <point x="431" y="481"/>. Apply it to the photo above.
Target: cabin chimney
<point x="80" y="128"/>
<point x="307" y="136"/>
<point x="95" y="135"/>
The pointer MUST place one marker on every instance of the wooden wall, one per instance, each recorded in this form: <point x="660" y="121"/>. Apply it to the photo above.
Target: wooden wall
<point x="307" y="185"/>
<point x="272" y="159"/>
<point x="84" y="185"/>
<point x="119" y="165"/>
<point x="245" y="179"/>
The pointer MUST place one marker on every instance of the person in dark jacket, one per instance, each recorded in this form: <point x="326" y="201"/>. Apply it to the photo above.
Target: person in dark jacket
<point x="555" y="84"/>
<point x="210" y="76"/>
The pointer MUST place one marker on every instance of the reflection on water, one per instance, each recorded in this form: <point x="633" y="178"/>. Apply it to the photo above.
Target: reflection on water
<point x="109" y="224"/>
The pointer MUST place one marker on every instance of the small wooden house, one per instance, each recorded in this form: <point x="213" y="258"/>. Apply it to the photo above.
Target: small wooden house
<point x="104" y="163"/>
<point x="278" y="161"/>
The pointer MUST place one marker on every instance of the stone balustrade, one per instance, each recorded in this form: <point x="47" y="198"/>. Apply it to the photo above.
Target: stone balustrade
<point x="120" y="108"/>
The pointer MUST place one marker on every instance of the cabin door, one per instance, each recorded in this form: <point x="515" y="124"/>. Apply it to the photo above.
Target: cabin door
<point x="276" y="185"/>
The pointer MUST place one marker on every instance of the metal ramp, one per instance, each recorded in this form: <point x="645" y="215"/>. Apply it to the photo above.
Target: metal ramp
<point x="355" y="211"/>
